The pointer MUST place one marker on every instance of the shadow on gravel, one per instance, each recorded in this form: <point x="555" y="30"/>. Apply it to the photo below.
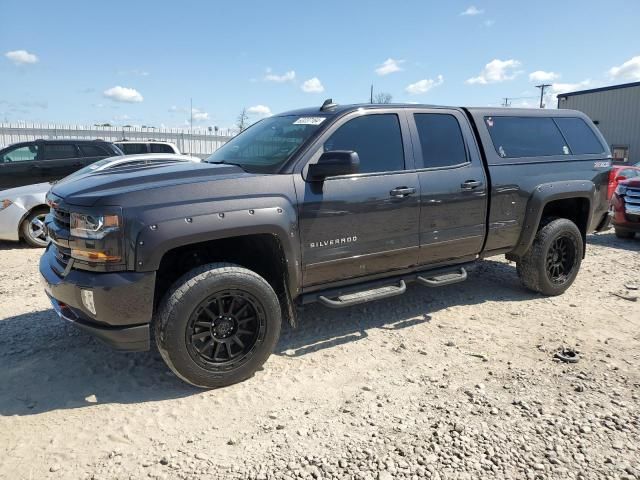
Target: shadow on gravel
<point x="609" y="240"/>
<point x="5" y="245"/>
<point x="48" y="364"/>
<point x="321" y="328"/>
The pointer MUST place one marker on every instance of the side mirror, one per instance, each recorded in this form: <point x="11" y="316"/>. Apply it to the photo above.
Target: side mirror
<point x="333" y="164"/>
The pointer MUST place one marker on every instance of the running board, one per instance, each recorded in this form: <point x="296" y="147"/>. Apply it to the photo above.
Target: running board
<point x="364" y="296"/>
<point x="443" y="279"/>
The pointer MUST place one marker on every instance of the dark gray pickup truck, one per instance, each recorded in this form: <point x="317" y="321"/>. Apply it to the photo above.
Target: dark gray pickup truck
<point x="339" y="205"/>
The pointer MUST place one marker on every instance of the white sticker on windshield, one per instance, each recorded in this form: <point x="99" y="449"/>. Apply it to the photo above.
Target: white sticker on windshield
<point x="309" y="121"/>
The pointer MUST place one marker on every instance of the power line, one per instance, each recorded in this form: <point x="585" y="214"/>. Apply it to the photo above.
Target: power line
<point x="542" y="87"/>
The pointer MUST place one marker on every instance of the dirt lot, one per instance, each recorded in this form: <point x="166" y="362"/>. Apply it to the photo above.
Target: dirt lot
<point x="457" y="382"/>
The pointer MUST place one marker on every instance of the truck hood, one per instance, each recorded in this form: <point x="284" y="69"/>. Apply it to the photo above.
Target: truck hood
<point x="115" y="187"/>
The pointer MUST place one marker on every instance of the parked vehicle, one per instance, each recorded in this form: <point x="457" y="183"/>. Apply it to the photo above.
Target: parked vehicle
<point x="625" y="208"/>
<point x="137" y="148"/>
<point x="23" y="209"/>
<point x="28" y="163"/>
<point x="339" y="205"/>
<point x="619" y="173"/>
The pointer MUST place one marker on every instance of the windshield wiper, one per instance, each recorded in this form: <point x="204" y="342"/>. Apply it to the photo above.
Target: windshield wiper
<point x="224" y="162"/>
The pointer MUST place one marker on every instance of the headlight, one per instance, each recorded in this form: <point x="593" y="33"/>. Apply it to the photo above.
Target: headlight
<point x="621" y="189"/>
<point x="5" y="204"/>
<point x="94" y="227"/>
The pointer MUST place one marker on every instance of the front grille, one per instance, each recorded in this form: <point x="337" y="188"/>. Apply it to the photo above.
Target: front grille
<point x="63" y="255"/>
<point x="632" y="201"/>
<point x="61" y="217"/>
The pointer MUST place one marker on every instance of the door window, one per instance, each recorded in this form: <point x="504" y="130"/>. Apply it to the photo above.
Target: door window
<point x="441" y="140"/>
<point x="132" y="148"/>
<point x="160" y="148"/>
<point x="93" y="151"/>
<point x="376" y="139"/>
<point x="26" y="153"/>
<point x="59" y="151"/>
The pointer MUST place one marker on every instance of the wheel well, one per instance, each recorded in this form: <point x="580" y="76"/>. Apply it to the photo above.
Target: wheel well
<point x="574" y="209"/>
<point x="261" y="253"/>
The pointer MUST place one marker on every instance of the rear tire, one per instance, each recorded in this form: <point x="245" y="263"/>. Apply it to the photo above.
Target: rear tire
<point x="552" y="262"/>
<point x="217" y="325"/>
<point x="32" y="228"/>
<point x="625" y="234"/>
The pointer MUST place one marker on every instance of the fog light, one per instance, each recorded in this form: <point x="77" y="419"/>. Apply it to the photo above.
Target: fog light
<point x="87" y="300"/>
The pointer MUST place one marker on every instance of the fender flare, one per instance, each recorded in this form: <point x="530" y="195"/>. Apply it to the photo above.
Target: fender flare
<point x="543" y="195"/>
<point x="154" y="240"/>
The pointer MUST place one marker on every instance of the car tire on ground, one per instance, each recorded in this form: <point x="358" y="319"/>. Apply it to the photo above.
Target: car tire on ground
<point x="626" y="234"/>
<point x="217" y="325"/>
<point x="552" y="262"/>
<point x="32" y="228"/>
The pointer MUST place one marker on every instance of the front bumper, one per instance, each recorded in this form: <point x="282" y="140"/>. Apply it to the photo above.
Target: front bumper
<point x="123" y="302"/>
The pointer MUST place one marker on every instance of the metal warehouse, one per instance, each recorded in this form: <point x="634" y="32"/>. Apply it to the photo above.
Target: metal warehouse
<point x="616" y="112"/>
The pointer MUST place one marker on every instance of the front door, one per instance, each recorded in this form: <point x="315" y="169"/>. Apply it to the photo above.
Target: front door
<point x="57" y="160"/>
<point x="453" y="186"/>
<point x="367" y="223"/>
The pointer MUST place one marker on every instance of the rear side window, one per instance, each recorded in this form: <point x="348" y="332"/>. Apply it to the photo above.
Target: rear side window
<point x="160" y="148"/>
<point x="441" y="140"/>
<point x="515" y="137"/>
<point x="132" y="148"/>
<point x="57" y="151"/>
<point x="376" y="138"/>
<point x="93" y="151"/>
<point x="580" y="137"/>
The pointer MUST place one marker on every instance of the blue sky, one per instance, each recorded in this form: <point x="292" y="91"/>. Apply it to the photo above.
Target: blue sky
<point x="139" y="62"/>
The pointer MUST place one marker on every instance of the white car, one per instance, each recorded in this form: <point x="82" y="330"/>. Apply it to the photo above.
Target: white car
<point x="22" y="209"/>
<point x="133" y="147"/>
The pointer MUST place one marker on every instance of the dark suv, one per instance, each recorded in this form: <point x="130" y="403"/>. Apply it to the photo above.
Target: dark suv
<point x="39" y="161"/>
<point x="338" y="205"/>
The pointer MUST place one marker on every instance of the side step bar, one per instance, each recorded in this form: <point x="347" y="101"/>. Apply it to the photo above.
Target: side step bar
<point x="443" y="279"/>
<point x="364" y="296"/>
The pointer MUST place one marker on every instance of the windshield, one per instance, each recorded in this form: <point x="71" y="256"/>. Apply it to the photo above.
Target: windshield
<point x="267" y="145"/>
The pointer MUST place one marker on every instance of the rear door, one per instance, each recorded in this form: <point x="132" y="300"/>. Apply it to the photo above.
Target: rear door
<point x="57" y="160"/>
<point x="16" y="165"/>
<point x="453" y="186"/>
<point x="367" y="223"/>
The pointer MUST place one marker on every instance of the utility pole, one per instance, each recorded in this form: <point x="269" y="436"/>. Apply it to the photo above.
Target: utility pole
<point x="191" y="127"/>
<point x="506" y="102"/>
<point x="371" y="96"/>
<point x="542" y="87"/>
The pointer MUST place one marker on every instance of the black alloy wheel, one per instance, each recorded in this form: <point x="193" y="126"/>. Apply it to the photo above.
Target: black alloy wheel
<point x="561" y="259"/>
<point x="224" y="329"/>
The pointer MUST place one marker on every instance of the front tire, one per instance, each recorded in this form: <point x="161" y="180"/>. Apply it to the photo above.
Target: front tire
<point x="217" y="325"/>
<point x="33" y="230"/>
<point x="552" y="262"/>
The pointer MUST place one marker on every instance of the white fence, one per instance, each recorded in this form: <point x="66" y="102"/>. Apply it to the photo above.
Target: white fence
<point x="199" y="142"/>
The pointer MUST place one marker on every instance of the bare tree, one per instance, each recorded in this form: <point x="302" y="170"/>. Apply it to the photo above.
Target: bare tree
<point x="243" y="120"/>
<point x="382" y="97"/>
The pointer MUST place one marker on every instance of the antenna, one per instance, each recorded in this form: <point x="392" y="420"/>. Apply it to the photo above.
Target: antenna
<point x="327" y="104"/>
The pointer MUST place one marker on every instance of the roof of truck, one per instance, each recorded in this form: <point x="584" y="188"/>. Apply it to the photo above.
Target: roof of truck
<point x="341" y="109"/>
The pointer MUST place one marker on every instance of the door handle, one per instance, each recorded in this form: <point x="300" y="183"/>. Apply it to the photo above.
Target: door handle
<point x="470" y="184"/>
<point x="401" y="192"/>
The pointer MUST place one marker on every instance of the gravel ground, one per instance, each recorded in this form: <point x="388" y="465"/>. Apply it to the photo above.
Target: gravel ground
<point x="457" y="382"/>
